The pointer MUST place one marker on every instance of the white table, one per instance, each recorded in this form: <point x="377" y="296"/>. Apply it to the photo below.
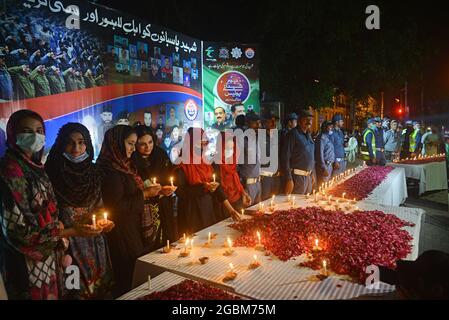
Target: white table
<point x="275" y="279"/>
<point x="432" y="176"/>
<point x="160" y="283"/>
<point x="392" y="191"/>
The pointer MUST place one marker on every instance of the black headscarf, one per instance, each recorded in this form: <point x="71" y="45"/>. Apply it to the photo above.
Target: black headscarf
<point x="75" y="184"/>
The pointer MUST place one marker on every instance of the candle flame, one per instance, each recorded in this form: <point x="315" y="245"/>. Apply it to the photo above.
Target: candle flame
<point x="231" y="266"/>
<point x="255" y="258"/>
<point x="324" y="264"/>
<point x="105" y="216"/>
<point x="316" y="242"/>
<point x="229" y="242"/>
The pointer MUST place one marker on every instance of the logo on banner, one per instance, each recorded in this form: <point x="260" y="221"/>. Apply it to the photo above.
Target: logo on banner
<point x="233" y="87"/>
<point x="236" y="53"/>
<point x="210" y="54"/>
<point x="191" y="110"/>
<point x="223" y="53"/>
<point x="250" y="53"/>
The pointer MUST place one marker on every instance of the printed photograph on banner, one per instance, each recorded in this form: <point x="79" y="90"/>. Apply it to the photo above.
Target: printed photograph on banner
<point x="136" y="68"/>
<point x="178" y="75"/>
<point x="142" y="51"/>
<point x="132" y="51"/>
<point x="167" y="69"/>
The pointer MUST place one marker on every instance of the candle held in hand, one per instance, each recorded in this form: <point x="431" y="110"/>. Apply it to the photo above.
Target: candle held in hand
<point x="171" y="181"/>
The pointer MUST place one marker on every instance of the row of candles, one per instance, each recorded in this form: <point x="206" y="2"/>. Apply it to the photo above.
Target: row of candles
<point x="420" y="157"/>
<point x="231" y="274"/>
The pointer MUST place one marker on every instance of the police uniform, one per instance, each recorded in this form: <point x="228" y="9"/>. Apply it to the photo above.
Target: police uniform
<point x="369" y="148"/>
<point x="324" y="154"/>
<point x="250" y="173"/>
<point x="269" y="173"/>
<point x="299" y="162"/>
<point x="282" y="139"/>
<point x="338" y="140"/>
<point x="380" y="144"/>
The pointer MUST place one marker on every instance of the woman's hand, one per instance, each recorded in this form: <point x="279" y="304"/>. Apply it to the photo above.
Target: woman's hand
<point x="246" y="200"/>
<point x="211" y="186"/>
<point x="235" y="215"/>
<point x="87" y="230"/>
<point x="167" y="191"/>
<point x="106" y="225"/>
<point x="152" y="191"/>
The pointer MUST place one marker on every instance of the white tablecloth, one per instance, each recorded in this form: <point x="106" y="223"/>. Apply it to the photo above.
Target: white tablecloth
<point x="392" y="191"/>
<point x="275" y="279"/>
<point x="432" y="176"/>
<point x="160" y="283"/>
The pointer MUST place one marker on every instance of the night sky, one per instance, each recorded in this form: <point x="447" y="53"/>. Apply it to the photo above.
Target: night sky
<point x="327" y="40"/>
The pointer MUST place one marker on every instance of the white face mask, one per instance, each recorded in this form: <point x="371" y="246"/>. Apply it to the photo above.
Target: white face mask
<point x="78" y="159"/>
<point x="31" y="142"/>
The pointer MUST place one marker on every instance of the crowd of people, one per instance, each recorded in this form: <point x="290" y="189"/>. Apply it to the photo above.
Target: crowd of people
<point x="101" y="216"/>
<point x="39" y="56"/>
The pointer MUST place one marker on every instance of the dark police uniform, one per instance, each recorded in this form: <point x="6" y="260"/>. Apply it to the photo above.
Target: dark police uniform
<point x="325" y="156"/>
<point x="338" y="140"/>
<point x="299" y="162"/>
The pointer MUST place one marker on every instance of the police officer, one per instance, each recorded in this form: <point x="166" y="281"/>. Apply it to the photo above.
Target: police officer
<point x="269" y="174"/>
<point x="415" y="139"/>
<point x="406" y="133"/>
<point x="338" y="140"/>
<point x="369" y="148"/>
<point x="380" y="143"/>
<point x="291" y="121"/>
<point x="324" y="153"/>
<point x="250" y="172"/>
<point x="299" y="161"/>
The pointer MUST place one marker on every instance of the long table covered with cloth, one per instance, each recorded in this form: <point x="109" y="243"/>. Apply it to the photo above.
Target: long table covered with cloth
<point x="274" y="279"/>
<point x="432" y="176"/>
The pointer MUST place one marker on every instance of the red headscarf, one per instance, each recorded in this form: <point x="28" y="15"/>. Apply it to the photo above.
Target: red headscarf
<point x="195" y="173"/>
<point x="230" y="181"/>
<point x="113" y="155"/>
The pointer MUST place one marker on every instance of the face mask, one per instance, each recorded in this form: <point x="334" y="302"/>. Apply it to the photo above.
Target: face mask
<point x="78" y="159"/>
<point x="331" y="132"/>
<point x="229" y="153"/>
<point x="32" y="142"/>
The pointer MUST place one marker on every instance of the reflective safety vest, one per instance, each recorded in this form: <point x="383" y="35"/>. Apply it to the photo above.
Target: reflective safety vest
<point x="364" y="147"/>
<point x="413" y="141"/>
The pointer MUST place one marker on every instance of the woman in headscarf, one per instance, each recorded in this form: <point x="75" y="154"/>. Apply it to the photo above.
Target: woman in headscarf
<point x="152" y="162"/>
<point x="123" y="194"/>
<point x="30" y="246"/>
<point x="200" y="199"/>
<point x="227" y="174"/>
<point x="76" y="182"/>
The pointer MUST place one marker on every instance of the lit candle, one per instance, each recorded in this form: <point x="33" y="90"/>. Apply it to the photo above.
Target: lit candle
<point x="154" y="180"/>
<point x="324" y="267"/>
<point x="94" y="221"/>
<point x="255" y="259"/>
<point x="186" y="245"/>
<point x="272" y="201"/>
<point x="293" y="201"/>
<point x="243" y="212"/>
<point x="105" y="216"/>
<point x="208" y="238"/>
<point x="231" y="267"/>
<point x="254" y="264"/>
<point x="149" y="283"/>
<point x="168" y="244"/>
<point x="229" y="243"/>
<point x="213" y="176"/>
<point x="258" y="237"/>
<point x="171" y="181"/>
<point x="307" y="196"/>
<point x="191" y="244"/>
<point x="343" y="195"/>
<point x="289" y="198"/>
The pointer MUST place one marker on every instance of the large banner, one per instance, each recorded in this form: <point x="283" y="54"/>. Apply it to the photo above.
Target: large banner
<point x="230" y="77"/>
<point x="73" y="61"/>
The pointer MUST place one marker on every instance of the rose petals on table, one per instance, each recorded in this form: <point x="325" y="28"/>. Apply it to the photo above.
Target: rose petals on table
<point x="190" y="290"/>
<point x="350" y="242"/>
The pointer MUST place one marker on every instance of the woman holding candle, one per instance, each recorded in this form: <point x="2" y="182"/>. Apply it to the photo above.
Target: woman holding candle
<point x="76" y="182"/>
<point x="158" y="221"/>
<point x="199" y="197"/>
<point x="230" y="180"/>
<point x="30" y="238"/>
<point x="123" y="195"/>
